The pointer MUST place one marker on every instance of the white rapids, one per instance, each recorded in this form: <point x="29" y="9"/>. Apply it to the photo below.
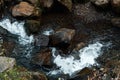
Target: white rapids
<point x="17" y="28"/>
<point x="69" y="65"/>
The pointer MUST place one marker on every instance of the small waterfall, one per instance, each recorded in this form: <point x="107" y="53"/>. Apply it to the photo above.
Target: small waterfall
<point x="17" y="28"/>
<point x="69" y="65"/>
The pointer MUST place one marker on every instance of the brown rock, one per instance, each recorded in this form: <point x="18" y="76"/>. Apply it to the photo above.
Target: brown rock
<point x="116" y="22"/>
<point x="100" y="3"/>
<point x="44" y="58"/>
<point x="67" y="3"/>
<point x="116" y="5"/>
<point x="25" y="9"/>
<point x="62" y="35"/>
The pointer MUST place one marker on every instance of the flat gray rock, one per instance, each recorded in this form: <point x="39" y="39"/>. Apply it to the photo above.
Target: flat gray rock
<point x="6" y="63"/>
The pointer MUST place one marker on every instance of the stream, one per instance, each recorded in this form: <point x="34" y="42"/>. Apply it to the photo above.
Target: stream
<point x="98" y="44"/>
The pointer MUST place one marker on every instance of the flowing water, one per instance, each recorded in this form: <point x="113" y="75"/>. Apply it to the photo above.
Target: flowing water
<point x="65" y="65"/>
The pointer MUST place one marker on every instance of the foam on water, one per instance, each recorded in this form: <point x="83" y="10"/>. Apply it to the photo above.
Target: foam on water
<point x="69" y="65"/>
<point x="17" y="28"/>
<point x="48" y="32"/>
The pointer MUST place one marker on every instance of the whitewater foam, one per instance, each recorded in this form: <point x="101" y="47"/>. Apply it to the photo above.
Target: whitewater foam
<point x="69" y="65"/>
<point x="17" y="28"/>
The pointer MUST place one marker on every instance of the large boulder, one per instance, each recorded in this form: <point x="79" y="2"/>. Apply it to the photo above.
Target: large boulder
<point x="6" y="63"/>
<point x="116" y="5"/>
<point x="63" y="35"/>
<point x="101" y="3"/>
<point x="24" y="9"/>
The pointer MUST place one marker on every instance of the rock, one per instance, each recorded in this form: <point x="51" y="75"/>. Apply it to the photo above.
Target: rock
<point x="79" y="46"/>
<point x="83" y="74"/>
<point x="32" y="26"/>
<point x="43" y="58"/>
<point x="38" y="76"/>
<point x="116" y="5"/>
<point x="6" y="63"/>
<point x="63" y="35"/>
<point x="41" y="40"/>
<point x="8" y="47"/>
<point x="101" y="3"/>
<point x="24" y="9"/>
<point x="116" y="22"/>
<point x="87" y="13"/>
<point x="46" y="3"/>
<point x="67" y="3"/>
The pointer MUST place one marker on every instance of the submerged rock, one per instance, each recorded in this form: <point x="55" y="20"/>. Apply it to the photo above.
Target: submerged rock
<point x="63" y="35"/>
<point x="43" y="57"/>
<point x="41" y="40"/>
<point x="32" y="25"/>
<point x="24" y="9"/>
<point x="116" y="5"/>
<point x="101" y="3"/>
<point x="116" y="22"/>
<point x="6" y="63"/>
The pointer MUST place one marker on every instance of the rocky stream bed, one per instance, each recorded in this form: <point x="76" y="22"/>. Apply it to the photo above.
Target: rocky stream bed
<point x="59" y="39"/>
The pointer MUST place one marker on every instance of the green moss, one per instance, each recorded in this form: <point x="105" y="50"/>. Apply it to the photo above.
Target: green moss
<point x="20" y="73"/>
<point x="16" y="74"/>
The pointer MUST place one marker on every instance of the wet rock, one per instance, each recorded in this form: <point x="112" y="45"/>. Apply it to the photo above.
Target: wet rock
<point x="39" y="76"/>
<point x="43" y="58"/>
<point x="79" y="46"/>
<point x="87" y="13"/>
<point x="24" y="9"/>
<point x="63" y="35"/>
<point x="8" y="47"/>
<point x="41" y="40"/>
<point x="116" y="22"/>
<point x="6" y="63"/>
<point x="32" y="26"/>
<point x="100" y="3"/>
<point x="116" y="5"/>
<point x="83" y="74"/>
<point x="67" y="3"/>
<point x="46" y="3"/>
